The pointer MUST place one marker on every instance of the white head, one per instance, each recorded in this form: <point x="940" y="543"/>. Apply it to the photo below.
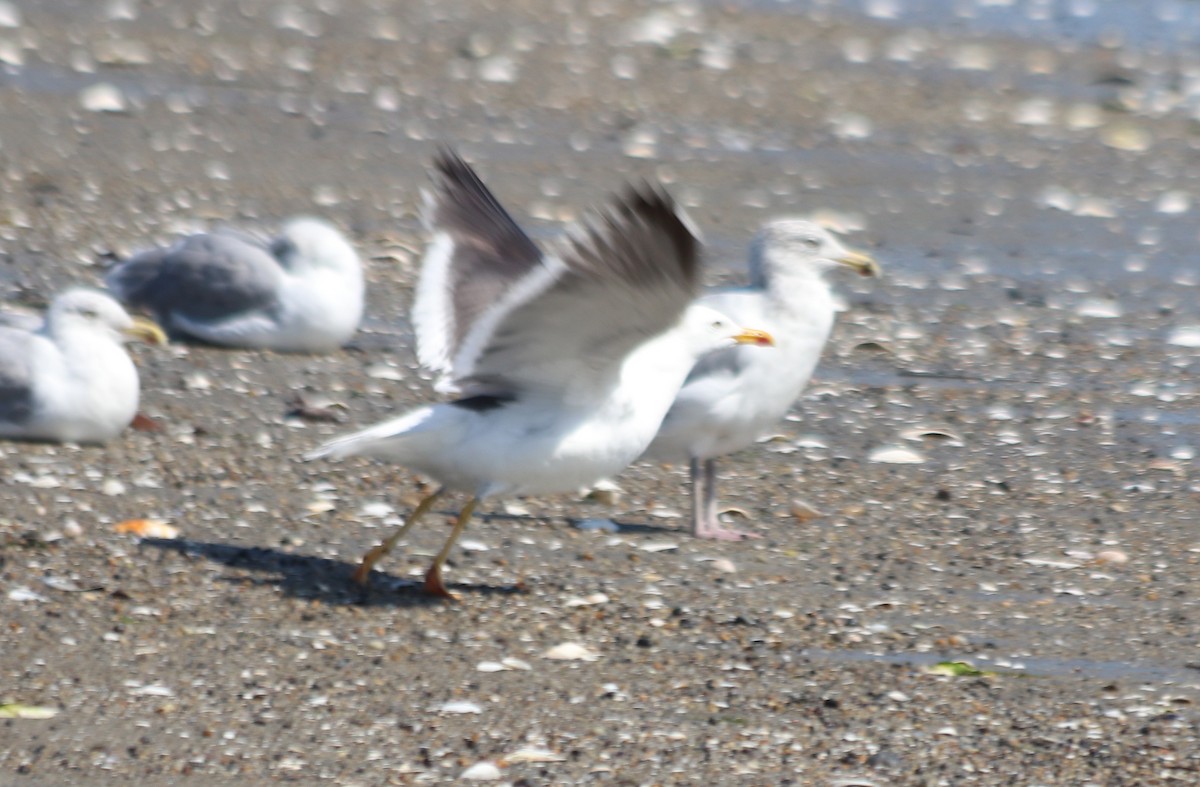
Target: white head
<point x="783" y="246"/>
<point x="97" y="313"/>
<point x="312" y="244"/>
<point x="707" y="330"/>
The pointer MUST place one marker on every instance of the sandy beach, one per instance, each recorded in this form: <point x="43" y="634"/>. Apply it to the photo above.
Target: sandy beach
<point x="994" y="465"/>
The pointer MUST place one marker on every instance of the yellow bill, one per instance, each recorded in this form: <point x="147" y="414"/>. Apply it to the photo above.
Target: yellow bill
<point x="755" y="337"/>
<point x="146" y="331"/>
<point x="861" y="262"/>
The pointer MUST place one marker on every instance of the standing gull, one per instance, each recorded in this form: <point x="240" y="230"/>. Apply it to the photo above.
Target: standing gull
<point x="70" y="380"/>
<point x="564" y="363"/>
<point x="733" y="395"/>
<point x="301" y="292"/>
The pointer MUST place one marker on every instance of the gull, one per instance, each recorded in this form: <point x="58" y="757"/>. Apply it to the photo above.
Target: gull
<point x="70" y="379"/>
<point x="564" y="363"/>
<point x="301" y="292"/>
<point x="733" y="395"/>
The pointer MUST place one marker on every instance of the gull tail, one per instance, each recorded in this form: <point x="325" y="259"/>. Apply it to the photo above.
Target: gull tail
<point x="386" y="440"/>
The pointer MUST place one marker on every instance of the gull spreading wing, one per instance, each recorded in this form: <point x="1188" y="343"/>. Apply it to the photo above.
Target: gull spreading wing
<point x="497" y="315"/>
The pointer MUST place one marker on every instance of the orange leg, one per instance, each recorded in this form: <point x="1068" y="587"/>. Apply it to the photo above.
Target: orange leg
<point x="362" y="574"/>
<point x="433" y="577"/>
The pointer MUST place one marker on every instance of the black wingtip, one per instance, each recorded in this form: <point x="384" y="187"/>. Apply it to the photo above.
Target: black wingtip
<point x="641" y="236"/>
<point x="651" y="202"/>
<point x="454" y="168"/>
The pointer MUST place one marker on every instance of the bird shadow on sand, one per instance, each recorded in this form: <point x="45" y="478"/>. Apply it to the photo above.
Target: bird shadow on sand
<point x="329" y="581"/>
<point x="318" y="578"/>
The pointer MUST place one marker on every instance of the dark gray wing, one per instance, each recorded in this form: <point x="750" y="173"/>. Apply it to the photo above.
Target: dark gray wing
<point x="16" y="376"/>
<point x="622" y="277"/>
<point x="476" y="257"/>
<point x="202" y="278"/>
<point x="498" y="315"/>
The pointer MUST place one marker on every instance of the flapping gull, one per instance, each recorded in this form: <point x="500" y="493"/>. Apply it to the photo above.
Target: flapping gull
<point x="71" y="379"/>
<point x="732" y="396"/>
<point x="566" y="363"/>
<point x="301" y="292"/>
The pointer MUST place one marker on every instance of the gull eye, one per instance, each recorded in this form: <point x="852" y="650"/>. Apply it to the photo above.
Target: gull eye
<point x="717" y="325"/>
<point x="812" y="243"/>
<point x="89" y="314"/>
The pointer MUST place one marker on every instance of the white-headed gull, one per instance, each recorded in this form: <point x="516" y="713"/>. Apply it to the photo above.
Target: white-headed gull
<point x="301" y="292"/>
<point x="733" y="395"/>
<point x="564" y="362"/>
<point x="70" y="379"/>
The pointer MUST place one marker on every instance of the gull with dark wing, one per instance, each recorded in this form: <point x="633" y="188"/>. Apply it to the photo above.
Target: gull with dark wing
<point x="564" y="362"/>
<point x="301" y="292"/>
<point x="732" y="396"/>
<point x="71" y="380"/>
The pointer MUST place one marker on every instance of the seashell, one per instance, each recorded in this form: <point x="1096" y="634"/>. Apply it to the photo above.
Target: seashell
<point x="804" y="512"/>
<point x="896" y="455"/>
<point x="103" y="97"/>
<point x="197" y="382"/>
<point x="147" y="528"/>
<point x="924" y="432"/>
<point x="571" y="651"/>
<point x="25" y="594"/>
<point x="383" y="371"/>
<point x="532" y="754"/>
<point x="1185" y="336"/>
<point x="14" y="710"/>
<point x="374" y="509"/>
<point x="320" y="506"/>
<point x="1049" y="562"/>
<point x="586" y="601"/>
<point x="604" y="492"/>
<point x="481" y="772"/>
<point x="1125" y="137"/>
<point x="514" y="663"/>
<point x="152" y="690"/>
<point x="1102" y="308"/>
<point x="1173" y="202"/>
<point x="1114" y="557"/>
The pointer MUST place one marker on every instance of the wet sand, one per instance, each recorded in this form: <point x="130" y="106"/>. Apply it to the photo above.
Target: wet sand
<point x="1033" y="341"/>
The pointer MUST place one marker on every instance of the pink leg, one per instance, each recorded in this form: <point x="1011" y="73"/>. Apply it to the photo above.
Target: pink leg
<point x="704" y="505"/>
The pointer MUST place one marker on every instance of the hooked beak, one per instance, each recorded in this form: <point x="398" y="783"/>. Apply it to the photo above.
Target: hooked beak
<point x="145" y="331"/>
<point x="861" y="262"/>
<point x="755" y="337"/>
